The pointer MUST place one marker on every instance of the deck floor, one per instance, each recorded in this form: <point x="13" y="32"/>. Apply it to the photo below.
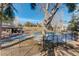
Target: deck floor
<point x="30" y="48"/>
<point x="24" y="48"/>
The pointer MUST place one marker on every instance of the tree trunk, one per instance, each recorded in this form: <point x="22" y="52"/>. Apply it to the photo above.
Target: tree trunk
<point x="0" y="28"/>
<point x="2" y="5"/>
<point x="53" y="12"/>
<point x="47" y="20"/>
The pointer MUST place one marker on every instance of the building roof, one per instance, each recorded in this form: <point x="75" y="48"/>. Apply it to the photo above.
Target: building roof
<point x="9" y="27"/>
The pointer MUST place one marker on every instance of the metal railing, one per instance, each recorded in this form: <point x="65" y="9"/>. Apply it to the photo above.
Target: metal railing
<point x="55" y="40"/>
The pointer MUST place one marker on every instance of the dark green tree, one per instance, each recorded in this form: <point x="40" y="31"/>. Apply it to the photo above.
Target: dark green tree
<point x="6" y="13"/>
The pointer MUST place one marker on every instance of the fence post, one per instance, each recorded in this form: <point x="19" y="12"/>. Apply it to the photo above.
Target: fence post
<point x="43" y="44"/>
<point x="65" y="39"/>
<point x="78" y="36"/>
<point x="57" y="41"/>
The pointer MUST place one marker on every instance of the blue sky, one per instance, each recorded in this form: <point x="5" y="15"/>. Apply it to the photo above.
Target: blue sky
<point x="24" y="13"/>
